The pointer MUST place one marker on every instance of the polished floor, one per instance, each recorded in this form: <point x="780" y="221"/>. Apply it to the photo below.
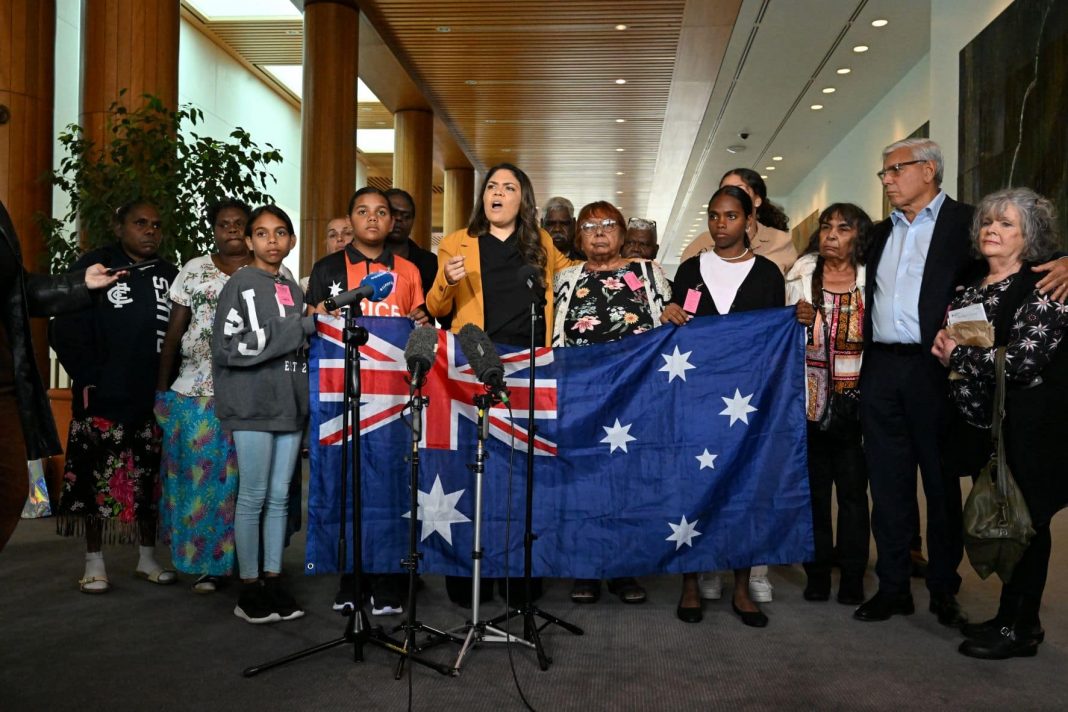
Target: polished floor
<point x="148" y="647"/>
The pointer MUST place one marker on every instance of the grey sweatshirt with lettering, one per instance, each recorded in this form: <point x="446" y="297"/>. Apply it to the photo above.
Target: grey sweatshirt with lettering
<point x="260" y="363"/>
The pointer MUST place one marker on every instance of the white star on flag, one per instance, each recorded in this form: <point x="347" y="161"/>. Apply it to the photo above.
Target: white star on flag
<point x="618" y="436"/>
<point x="676" y="365"/>
<point x="335" y="288"/>
<point x="437" y="511"/>
<point x="706" y="459"/>
<point x="683" y="533"/>
<point x="738" y="407"/>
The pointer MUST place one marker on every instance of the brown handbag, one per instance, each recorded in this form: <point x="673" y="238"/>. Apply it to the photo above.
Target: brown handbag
<point x="997" y="522"/>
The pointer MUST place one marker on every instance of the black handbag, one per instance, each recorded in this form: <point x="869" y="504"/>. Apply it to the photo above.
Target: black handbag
<point x="997" y="522"/>
<point x="843" y="411"/>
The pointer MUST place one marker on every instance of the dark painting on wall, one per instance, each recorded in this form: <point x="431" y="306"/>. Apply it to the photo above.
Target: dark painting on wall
<point x="1014" y="105"/>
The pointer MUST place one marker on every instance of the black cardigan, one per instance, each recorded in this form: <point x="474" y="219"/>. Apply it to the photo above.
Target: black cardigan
<point x="763" y="288"/>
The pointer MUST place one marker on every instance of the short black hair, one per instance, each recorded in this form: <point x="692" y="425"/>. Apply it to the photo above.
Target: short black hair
<point x="404" y="194"/>
<point x="215" y="208"/>
<point x="366" y="190"/>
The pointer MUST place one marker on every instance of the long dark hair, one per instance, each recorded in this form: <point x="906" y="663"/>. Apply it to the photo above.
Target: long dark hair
<point x="742" y="197"/>
<point x="271" y="209"/>
<point x="859" y="221"/>
<point x="768" y="213"/>
<point x="526" y="221"/>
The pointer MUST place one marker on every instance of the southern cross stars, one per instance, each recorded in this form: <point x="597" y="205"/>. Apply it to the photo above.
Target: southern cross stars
<point x="706" y="459"/>
<point x="618" y="436"/>
<point x="676" y="364"/>
<point x="437" y="511"/>
<point x="335" y="288"/>
<point x="683" y="533"/>
<point x="738" y="407"/>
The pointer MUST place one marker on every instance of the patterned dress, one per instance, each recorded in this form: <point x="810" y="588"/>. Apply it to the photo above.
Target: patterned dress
<point x="1037" y="330"/>
<point x="607" y="305"/>
<point x="199" y="465"/>
<point x="833" y="352"/>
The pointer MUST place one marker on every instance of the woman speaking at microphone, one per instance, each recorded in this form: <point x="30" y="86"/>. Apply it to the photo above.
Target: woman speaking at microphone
<point x="479" y="283"/>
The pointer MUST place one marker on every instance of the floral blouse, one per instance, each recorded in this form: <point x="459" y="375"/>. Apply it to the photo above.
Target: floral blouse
<point x="833" y="351"/>
<point x="604" y="307"/>
<point x="1037" y="330"/>
<point x="197" y="287"/>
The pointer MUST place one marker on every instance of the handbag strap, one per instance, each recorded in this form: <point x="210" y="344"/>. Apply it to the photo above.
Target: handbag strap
<point x="998" y="420"/>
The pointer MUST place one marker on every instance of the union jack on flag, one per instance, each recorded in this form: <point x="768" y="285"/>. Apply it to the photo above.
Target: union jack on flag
<point x="680" y="449"/>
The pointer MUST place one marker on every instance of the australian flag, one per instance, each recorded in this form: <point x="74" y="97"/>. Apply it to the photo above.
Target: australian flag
<point x="678" y="450"/>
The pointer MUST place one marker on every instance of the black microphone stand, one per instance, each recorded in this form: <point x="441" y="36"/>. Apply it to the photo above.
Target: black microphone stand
<point x="358" y="630"/>
<point x="530" y="612"/>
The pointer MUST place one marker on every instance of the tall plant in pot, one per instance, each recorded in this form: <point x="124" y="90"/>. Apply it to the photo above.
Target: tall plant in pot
<point x="155" y="154"/>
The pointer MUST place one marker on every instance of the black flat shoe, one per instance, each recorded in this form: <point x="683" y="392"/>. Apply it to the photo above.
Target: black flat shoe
<point x="818" y="587"/>
<point x="991" y="630"/>
<point x="689" y="615"/>
<point x="884" y="605"/>
<point x="753" y="619"/>
<point x="586" y="591"/>
<point x="628" y="589"/>
<point x="851" y="591"/>
<point x="1019" y="642"/>
<point x="945" y="606"/>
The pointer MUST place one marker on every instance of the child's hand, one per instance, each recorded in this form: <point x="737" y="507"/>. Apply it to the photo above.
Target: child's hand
<point x="674" y="314"/>
<point x="419" y="316"/>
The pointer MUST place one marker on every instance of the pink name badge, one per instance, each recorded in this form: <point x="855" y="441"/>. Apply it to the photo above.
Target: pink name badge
<point x="632" y="281"/>
<point x="693" y="298"/>
<point x="285" y="297"/>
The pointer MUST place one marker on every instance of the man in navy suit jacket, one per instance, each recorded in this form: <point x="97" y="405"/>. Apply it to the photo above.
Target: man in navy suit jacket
<point x="918" y="257"/>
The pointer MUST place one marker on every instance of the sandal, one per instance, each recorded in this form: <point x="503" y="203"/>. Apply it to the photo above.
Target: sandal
<point x="83" y="584"/>
<point x="163" y="577"/>
<point x="206" y="584"/>
<point x="628" y="589"/>
<point x="586" y="591"/>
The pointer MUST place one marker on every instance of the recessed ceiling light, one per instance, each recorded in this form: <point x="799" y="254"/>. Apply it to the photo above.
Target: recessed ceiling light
<point x="621" y="121"/>
<point x="491" y="121"/>
<point x="620" y="150"/>
<point x="776" y="158"/>
<point x="860" y="48"/>
<point x="843" y="70"/>
<point x="880" y="23"/>
<point x="829" y="90"/>
<point x="470" y="82"/>
<point x="507" y="150"/>
<point x="621" y="81"/>
<point x="816" y="107"/>
<point x="764" y="176"/>
<point x="621" y="27"/>
<point x="619" y="173"/>
<point x="769" y="168"/>
<point x="619" y="192"/>
<point x="292" y="33"/>
<point x="736" y="148"/>
<point x="443" y="29"/>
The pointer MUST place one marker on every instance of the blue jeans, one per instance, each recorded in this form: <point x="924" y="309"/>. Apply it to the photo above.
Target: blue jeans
<point x="265" y="466"/>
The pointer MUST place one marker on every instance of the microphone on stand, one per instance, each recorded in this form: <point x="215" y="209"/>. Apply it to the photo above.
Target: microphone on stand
<point x="484" y="359"/>
<point x="376" y="286"/>
<point x="531" y="276"/>
<point x="419" y="353"/>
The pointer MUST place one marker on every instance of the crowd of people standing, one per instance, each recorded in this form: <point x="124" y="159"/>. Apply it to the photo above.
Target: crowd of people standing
<point x="190" y="387"/>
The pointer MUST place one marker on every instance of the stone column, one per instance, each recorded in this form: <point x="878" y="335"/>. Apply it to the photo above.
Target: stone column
<point x="413" y="155"/>
<point x="459" y="198"/>
<point x="327" y="121"/>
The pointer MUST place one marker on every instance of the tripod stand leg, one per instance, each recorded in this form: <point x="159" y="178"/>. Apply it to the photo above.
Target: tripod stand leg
<point x="549" y="618"/>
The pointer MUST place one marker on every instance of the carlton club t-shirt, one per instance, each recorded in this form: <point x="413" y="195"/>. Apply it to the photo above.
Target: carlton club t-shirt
<point x="344" y="270"/>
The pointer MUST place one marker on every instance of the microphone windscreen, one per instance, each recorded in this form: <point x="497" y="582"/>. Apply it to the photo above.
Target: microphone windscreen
<point x="530" y="276"/>
<point x="420" y="347"/>
<point x="480" y="353"/>
<point x="382" y="282"/>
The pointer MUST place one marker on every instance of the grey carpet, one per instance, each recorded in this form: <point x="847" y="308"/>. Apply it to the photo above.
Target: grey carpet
<point x="146" y="647"/>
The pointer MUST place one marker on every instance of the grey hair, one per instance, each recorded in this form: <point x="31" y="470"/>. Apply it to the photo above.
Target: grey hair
<point x="922" y="149"/>
<point x="642" y="224"/>
<point x="1038" y="220"/>
<point x="559" y="202"/>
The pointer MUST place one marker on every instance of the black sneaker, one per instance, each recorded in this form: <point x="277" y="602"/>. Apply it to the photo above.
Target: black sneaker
<point x="343" y="598"/>
<point x="385" y="597"/>
<point x="255" y="604"/>
<point x="285" y="607"/>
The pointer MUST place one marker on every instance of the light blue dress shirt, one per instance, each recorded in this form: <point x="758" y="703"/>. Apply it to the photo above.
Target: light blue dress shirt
<point x="896" y="312"/>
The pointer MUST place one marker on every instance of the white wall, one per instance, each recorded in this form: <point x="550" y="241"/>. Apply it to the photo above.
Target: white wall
<point x="68" y="97"/>
<point x="231" y="96"/>
<point x="930" y="91"/>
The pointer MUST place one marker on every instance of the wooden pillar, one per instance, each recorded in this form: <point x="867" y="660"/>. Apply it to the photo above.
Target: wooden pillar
<point x="27" y="87"/>
<point x="327" y="120"/>
<point x="413" y="155"/>
<point x="459" y="198"/>
<point x="131" y="45"/>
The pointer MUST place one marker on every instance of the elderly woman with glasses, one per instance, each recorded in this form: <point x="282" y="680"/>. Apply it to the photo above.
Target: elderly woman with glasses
<point x="1013" y="230"/>
<point x="603" y="299"/>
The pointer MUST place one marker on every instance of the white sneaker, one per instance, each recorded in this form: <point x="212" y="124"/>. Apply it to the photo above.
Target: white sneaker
<point x="760" y="589"/>
<point x="710" y="584"/>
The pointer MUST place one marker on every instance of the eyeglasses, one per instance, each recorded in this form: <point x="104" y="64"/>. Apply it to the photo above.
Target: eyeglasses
<point x="641" y="223"/>
<point x="589" y="228"/>
<point x="895" y="169"/>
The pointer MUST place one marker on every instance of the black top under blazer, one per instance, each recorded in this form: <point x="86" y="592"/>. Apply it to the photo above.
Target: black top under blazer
<point x="950" y="262"/>
<point x="763" y="288"/>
